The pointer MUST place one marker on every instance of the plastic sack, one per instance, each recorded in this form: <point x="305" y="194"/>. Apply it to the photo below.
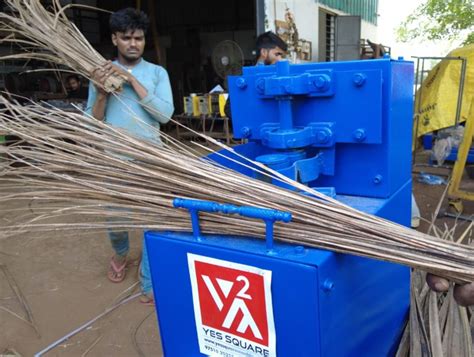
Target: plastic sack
<point x="448" y="139"/>
<point x="431" y="179"/>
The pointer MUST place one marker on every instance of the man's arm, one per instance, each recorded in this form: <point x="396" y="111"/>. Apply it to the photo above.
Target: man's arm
<point x="160" y="103"/>
<point x="112" y="69"/>
<point x="98" y="110"/>
<point x="96" y="103"/>
<point x="97" y="98"/>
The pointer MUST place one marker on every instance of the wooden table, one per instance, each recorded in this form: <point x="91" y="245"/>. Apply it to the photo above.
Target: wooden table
<point x="198" y="124"/>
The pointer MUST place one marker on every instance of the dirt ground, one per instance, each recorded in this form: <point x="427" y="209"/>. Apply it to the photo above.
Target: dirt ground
<point x="63" y="279"/>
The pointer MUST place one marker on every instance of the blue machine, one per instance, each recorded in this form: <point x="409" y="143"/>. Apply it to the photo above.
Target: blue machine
<point x="344" y="129"/>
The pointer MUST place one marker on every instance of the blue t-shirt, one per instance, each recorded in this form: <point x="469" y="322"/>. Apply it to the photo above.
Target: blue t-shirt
<point x="122" y="111"/>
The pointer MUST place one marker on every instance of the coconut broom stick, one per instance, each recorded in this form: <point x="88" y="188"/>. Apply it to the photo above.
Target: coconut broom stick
<point x="99" y="170"/>
<point x="345" y="221"/>
<point x="49" y="36"/>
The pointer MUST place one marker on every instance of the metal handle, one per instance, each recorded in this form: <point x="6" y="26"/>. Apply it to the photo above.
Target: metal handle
<point x="269" y="216"/>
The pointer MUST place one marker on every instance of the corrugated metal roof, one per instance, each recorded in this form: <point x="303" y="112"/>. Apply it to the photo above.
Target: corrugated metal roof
<point x="366" y="9"/>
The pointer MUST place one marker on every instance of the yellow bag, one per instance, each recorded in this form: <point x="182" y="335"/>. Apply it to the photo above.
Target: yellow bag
<point x="439" y="93"/>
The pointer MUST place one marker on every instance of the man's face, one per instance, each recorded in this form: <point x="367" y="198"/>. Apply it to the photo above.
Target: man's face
<point x="272" y="56"/>
<point x="130" y="44"/>
<point x="73" y="84"/>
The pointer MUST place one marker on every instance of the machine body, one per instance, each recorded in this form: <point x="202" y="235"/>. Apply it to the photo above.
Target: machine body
<point x="344" y="129"/>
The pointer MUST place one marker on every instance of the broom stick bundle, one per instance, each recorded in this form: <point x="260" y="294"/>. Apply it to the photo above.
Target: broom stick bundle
<point x="48" y="35"/>
<point x="80" y="165"/>
<point x="74" y="164"/>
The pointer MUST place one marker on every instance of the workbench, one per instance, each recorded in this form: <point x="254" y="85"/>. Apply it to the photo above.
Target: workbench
<point x="205" y="124"/>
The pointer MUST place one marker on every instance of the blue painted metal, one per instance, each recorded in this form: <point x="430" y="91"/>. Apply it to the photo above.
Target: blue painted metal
<point x="363" y="108"/>
<point x="345" y="129"/>
<point x="324" y="303"/>
<point x="274" y="161"/>
<point x="428" y="141"/>
<point x="269" y="216"/>
<point x="454" y="155"/>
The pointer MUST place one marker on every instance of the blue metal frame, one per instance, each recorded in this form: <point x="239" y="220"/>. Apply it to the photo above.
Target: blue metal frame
<point x="363" y="110"/>
<point x="344" y="129"/>
<point x="324" y="303"/>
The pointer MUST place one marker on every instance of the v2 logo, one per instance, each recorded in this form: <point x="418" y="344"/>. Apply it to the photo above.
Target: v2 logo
<point x="232" y="298"/>
<point x="237" y="304"/>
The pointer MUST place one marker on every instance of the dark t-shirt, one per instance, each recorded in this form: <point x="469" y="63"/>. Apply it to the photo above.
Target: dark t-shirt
<point x="81" y="93"/>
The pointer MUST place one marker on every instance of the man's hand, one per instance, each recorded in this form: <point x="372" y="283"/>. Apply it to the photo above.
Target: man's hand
<point x="463" y="294"/>
<point x="112" y="69"/>
<point x="99" y="76"/>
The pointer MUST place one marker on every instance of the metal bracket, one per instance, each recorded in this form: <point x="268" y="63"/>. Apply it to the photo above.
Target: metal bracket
<point x="305" y="170"/>
<point x="315" y="83"/>
<point x="315" y="134"/>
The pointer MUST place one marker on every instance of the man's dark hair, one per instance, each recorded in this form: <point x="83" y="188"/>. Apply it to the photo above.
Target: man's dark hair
<point x="128" y="19"/>
<point x="73" y="76"/>
<point x="269" y="40"/>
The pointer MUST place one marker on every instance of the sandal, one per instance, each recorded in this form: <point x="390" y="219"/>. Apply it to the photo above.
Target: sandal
<point x="116" y="273"/>
<point x="147" y="299"/>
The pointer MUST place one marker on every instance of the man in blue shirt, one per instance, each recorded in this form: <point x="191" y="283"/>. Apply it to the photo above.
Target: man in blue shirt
<point x="146" y="100"/>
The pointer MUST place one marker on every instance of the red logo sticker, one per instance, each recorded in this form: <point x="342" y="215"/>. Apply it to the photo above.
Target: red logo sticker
<point x="232" y="304"/>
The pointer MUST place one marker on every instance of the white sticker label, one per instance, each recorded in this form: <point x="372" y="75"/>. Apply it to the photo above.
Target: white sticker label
<point x="232" y="307"/>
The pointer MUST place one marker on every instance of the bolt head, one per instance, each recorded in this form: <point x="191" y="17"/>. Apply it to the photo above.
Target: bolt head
<point x="321" y="82"/>
<point x="358" y="79"/>
<point x="241" y="83"/>
<point x="246" y="131"/>
<point x="359" y="135"/>
<point x="328" y="285"/>
<point x="378" y="179"/>
<point x="322" y="137"/>
<point x="299" y="249"/>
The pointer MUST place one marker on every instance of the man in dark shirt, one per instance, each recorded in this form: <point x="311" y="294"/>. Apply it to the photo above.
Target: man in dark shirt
<point x="76" y="90"/>
<point x="269" y="50"/>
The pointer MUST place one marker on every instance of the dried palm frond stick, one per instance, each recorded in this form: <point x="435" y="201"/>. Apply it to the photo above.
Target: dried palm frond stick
<point x="135" y="332"/>
<point x="96" y="341"/>
<point x="437" y="325"/>
<point x="86" y="325"/>
<point x="49" y="36"/>
<point x="17" y="316"/>
<point x="126" y="293"/>
<point x="82" y="166"/>
<point x="20" y="297"/>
